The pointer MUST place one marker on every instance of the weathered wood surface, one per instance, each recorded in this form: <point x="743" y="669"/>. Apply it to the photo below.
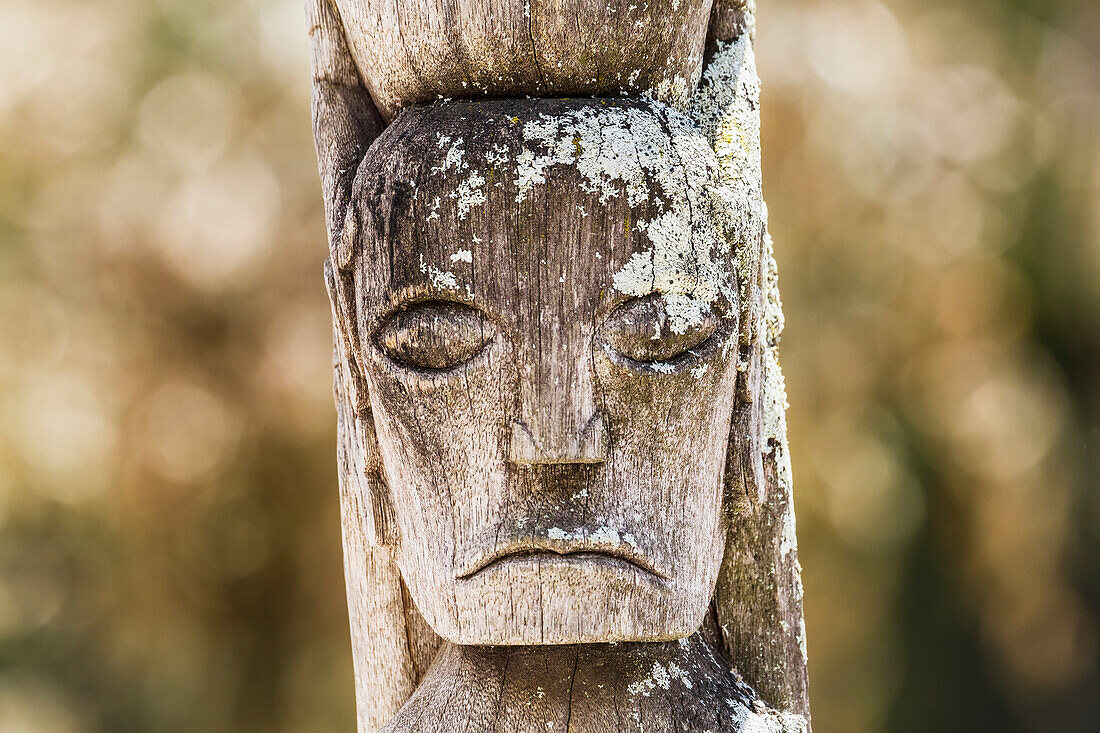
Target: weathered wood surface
<point x="652" y="687"/>
<point x="556" y="436"/>
<point x="518" y="393"/>
<point x="417" y="51"/>
<point x="758" y="597"/>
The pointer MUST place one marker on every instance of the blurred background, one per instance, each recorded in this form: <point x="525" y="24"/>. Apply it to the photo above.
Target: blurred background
<point x="169" y="538"/>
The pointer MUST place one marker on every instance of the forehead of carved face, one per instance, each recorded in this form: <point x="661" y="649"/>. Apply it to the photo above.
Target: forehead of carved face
<point x="547" y="319"/>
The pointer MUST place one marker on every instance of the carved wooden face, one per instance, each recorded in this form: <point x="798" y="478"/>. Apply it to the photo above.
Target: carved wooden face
<point x="548" y="335"/>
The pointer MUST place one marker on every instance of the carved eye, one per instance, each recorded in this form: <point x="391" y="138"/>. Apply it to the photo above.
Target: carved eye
<point x="644" y="330"/>
<point x="435" y="335"/>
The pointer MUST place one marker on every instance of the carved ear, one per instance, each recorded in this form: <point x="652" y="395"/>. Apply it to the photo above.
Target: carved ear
<point x="363" y="484"/>
<point x="341" y="297"/>
<point x="345" y="122"/>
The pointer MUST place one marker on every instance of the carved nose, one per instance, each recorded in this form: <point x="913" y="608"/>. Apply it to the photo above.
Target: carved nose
<point x="590" y="445"/>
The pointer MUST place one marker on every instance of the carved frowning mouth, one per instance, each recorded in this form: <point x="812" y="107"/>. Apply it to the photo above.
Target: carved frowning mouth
<point x="551" y="550"/>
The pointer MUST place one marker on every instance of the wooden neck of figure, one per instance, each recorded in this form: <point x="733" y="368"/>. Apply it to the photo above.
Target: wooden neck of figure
<point x="587" y="688"/>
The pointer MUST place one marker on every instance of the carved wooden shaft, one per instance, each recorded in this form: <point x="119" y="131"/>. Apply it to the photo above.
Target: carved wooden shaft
<point x="560" y="410"/>
<point x="652" y="687"/>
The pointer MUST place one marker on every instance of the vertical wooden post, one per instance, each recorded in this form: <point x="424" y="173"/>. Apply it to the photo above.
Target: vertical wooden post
<point x="565" y="481"/>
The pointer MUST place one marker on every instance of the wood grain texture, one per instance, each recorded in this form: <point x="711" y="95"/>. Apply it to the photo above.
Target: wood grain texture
<point x="371" y="59"/>
<point x="417" y="51"/>
<point x="758" y="597"/>
<point x="650" y="688"/>
<point x="522" y="256"/>
<point x="392" y="646"/>
<point x="391" y="643"/>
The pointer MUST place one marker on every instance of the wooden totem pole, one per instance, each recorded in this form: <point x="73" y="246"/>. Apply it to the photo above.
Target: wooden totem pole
<point x="566" y="493"/>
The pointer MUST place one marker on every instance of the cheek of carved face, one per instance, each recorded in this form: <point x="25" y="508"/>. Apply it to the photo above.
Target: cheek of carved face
<point x="553" y="436"/>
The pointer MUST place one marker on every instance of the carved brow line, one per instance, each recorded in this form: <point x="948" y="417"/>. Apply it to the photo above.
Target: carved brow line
<point x="425" y="291"/>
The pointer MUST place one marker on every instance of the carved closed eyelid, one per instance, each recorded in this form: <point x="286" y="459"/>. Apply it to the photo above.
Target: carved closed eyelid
<point x="643" y="329"/>
<point x="435" y="335"/>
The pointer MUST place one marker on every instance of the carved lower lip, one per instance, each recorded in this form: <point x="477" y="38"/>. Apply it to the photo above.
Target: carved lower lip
<point x="581" y="554"/>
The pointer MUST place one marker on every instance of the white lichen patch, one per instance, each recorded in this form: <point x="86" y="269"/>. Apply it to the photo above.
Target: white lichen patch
<point x="675" y="91"/>
<point x="602" y="536"/>
<point x="530" y="170"/>
<point x="434" y="213"/>
<point x="726" y="110"/>
<point x="470" y="193"/>
<point x="772" y="721"/>
<point x="678" y="673"/>
<point x="453" y="159"/>
<point x="659" y="157"/>
<point x="439" y="278"/>
<point x="661" y="677"/>
<point x="496" y="155"/>
<point x="753" y="723"/>
<point x="773" y="307"/>
<point x="463" y="255"/>
<point x="605" y="535"/>
<point x="794" y="723"/>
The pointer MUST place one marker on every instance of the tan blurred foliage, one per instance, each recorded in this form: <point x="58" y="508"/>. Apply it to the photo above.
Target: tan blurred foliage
<point x="169" y="541"/>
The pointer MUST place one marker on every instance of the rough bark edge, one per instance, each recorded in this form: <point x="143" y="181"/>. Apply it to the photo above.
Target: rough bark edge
<point x="758" y="597"/>
<point x="391" y="644"/>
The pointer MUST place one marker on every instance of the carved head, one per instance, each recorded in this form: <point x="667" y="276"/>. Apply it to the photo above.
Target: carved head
<point x="540" y="308"/>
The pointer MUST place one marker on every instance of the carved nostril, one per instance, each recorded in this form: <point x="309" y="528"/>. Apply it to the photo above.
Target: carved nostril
<point x="591" y="445"/>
